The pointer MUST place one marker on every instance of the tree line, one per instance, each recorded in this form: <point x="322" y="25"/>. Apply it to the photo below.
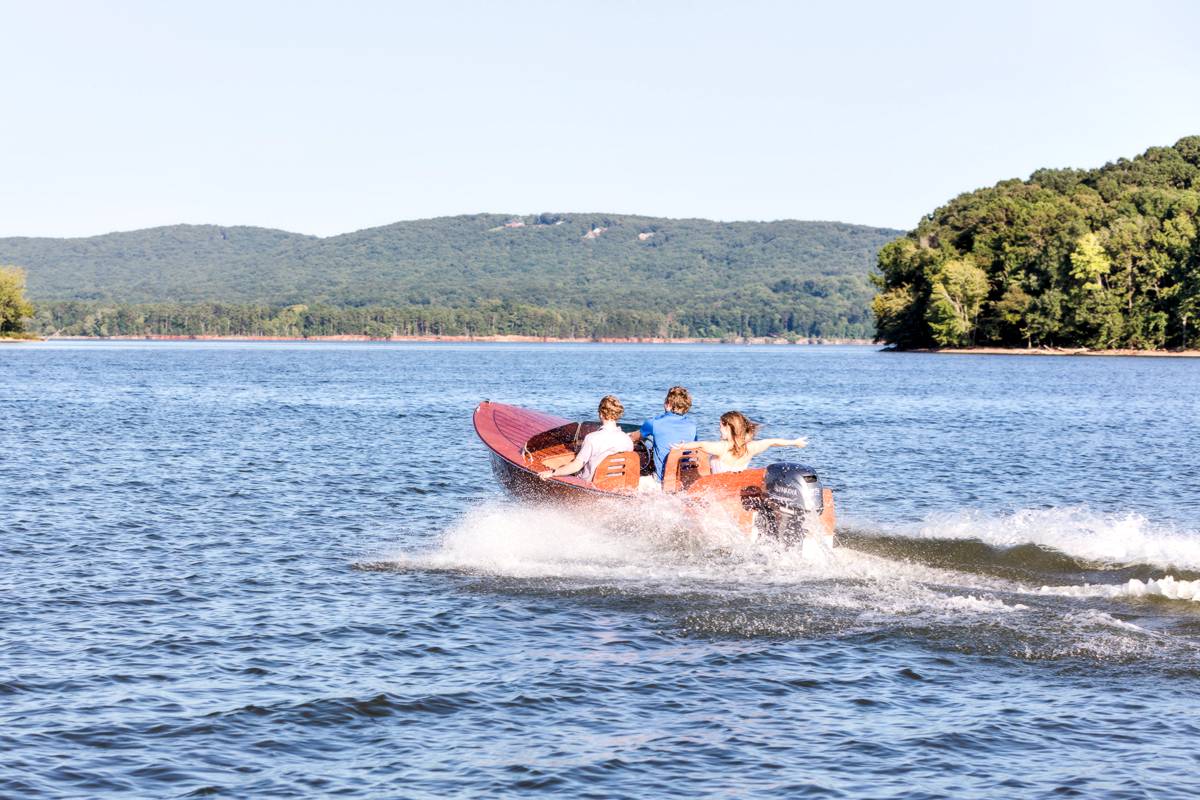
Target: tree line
<point x="78" y="318"/>
<point x="1102" y="258"/>
<point x="469" y="273"/>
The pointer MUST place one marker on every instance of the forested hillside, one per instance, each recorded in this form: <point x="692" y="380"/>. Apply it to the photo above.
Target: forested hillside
<point x="553" y="274"/>
<point x="1101" y="258"/>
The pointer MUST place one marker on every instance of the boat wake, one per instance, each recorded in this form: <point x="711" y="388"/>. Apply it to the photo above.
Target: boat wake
<point x="1035" y="585"/>
<point x="1087" y="537"/>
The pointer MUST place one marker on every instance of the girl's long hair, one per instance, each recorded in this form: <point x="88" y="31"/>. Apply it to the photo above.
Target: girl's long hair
<point x="741" y="430"/>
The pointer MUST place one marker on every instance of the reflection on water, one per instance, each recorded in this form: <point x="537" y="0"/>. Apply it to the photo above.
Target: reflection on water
<point x="275" y="569"/>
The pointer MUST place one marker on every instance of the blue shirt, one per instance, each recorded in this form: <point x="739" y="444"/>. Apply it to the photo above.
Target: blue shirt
<point x="665" y="430"/>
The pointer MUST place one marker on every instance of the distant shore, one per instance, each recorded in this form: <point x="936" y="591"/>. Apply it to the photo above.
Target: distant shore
<point x="1050" y="351"/>
<point x="514" y="339"/>
<point x="501" y="339"/>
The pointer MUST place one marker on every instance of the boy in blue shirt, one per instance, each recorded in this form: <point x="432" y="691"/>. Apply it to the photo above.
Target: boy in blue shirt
<point x="669" y="428"/>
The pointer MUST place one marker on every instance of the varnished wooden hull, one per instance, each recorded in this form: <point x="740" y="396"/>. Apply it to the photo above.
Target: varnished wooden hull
<point x="524" y="484"/>
<point x="506" y="430"/>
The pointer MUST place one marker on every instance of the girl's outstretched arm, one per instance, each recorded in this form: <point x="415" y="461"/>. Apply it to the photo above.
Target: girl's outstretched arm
<point x="762" y="445"/>
<point x="712" y="448"/>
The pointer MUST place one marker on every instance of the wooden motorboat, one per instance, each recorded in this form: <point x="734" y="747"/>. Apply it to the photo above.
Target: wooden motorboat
<point x="783" y="499"/>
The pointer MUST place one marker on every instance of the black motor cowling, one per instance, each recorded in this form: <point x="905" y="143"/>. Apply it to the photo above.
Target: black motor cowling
<point x="792" y="501"/>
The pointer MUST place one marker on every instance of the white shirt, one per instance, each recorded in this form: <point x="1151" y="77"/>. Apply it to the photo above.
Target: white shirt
<point x="599" y="445"/>
<point x="716" y="466"/>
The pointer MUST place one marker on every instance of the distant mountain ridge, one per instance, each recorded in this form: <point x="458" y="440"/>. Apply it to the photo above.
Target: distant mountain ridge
<point x="810" y="276"/>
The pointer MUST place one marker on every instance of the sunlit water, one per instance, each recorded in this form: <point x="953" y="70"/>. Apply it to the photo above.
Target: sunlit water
<point x="255" y="570"/>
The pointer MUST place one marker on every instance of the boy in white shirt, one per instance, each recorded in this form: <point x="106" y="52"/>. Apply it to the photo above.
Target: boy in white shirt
<point x="597" y="445"/>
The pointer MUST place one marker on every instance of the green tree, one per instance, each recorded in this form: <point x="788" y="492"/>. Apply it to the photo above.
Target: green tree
<point x="1013" y="311"/>
<point x="1089" y="263"/>
<point x="1044" y="321"/>
<point x="1186" y="300"/>
<point x="894" y="311"/>
<point x="1100" y="258"/>
<point x="959" y="288"/>
<point x="14" y="308"/>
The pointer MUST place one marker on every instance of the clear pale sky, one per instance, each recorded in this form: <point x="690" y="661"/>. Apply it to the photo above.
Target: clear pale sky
<point x="327" y="117"/>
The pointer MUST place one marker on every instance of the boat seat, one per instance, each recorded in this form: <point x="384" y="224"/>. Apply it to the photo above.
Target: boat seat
<point x="728" y="483"/>
<point x="684" y="465"/>
<point x="618" y="473"/>
<point x="556" y="461"/>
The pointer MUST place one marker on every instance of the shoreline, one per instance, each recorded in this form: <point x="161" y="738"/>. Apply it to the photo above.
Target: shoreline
<point x="523" y="339"/>
<point x="511" y="339"/>
<point x="1048" y="351"/>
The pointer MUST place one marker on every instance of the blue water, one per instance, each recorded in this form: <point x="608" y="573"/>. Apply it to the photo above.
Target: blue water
<point x="285" y="570"/>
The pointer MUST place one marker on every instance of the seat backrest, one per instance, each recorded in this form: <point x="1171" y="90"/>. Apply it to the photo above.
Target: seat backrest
<point x="618" y="472"/>
<point x="684" y="465"/>
<point x="728" y="483"/>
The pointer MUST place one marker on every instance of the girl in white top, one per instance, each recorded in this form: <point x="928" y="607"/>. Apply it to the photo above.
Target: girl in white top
<point x="597" y="445"/>
<point x="738" y="445"/>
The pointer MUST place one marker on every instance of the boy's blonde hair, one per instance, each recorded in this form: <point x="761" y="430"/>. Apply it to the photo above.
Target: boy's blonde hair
<point x="679" y="400"/>
<point x="610" y="407"/>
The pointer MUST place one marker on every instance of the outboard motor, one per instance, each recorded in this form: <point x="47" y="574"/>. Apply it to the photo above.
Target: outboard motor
<point x="792" y="502"/>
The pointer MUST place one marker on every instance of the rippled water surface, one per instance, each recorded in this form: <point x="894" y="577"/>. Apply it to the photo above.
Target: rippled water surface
<point x="257" y="570"/>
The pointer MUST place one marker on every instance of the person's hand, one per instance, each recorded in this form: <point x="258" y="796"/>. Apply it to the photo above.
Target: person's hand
<point x="546" y="474"/>
<point x="801" y="442"/>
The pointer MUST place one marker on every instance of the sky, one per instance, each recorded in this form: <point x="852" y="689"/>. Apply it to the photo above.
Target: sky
<point x="328" y="117"/>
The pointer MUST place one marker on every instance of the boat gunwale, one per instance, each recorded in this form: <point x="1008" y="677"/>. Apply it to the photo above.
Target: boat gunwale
<point x="570" y="481"/>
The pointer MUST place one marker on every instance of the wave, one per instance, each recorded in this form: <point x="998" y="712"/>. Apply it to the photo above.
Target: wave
<point x="1006" y="590"/>
<point x="1059" y="539"/>
<point x="657" y="549"/>
<point x="1166" y="587"/>
<point x="655" y="542"/>
<point x="658" y="541"/>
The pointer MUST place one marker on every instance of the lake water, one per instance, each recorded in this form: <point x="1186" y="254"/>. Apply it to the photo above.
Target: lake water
<point x="285" y="570"/>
